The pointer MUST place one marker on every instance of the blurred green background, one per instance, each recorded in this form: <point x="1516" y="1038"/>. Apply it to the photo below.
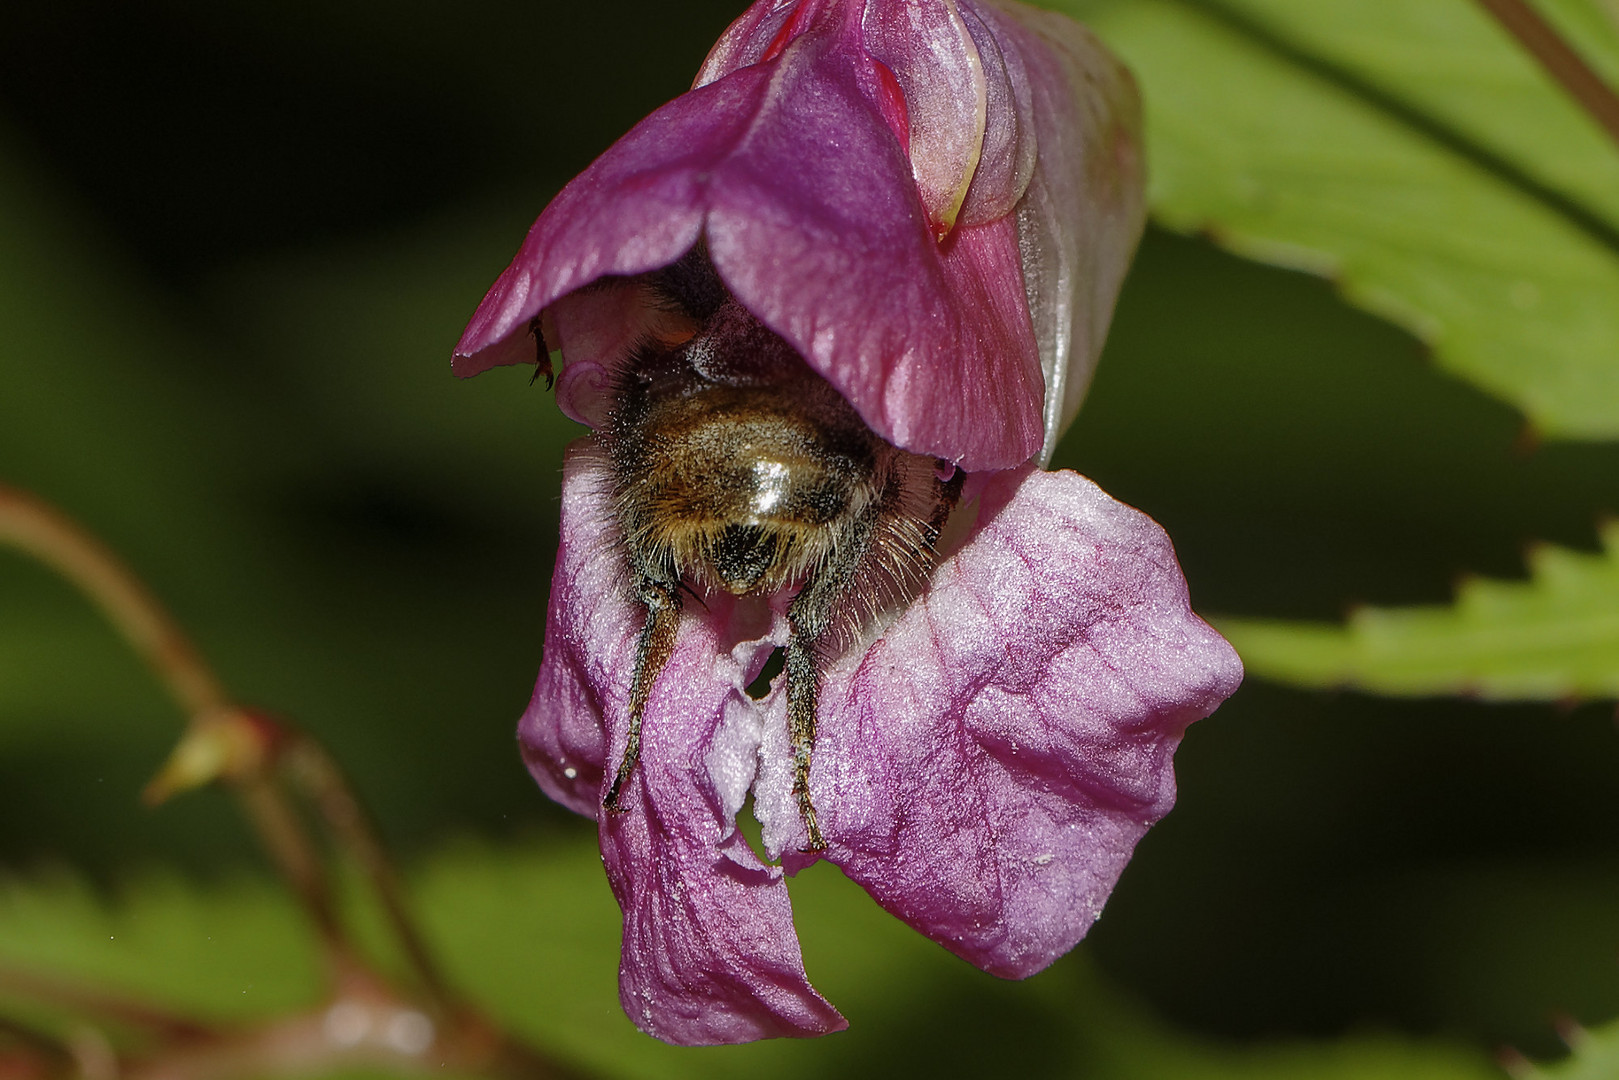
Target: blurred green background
<point x="237" y="242"/>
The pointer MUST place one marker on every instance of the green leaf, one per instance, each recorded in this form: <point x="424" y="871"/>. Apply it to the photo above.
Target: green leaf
<point x="1553" y="638"/>
<point x="232" y="951"/>
<point x="531" y="935"/>
<point x="1595" y="1057"/>
<point x="1412" y="152"/>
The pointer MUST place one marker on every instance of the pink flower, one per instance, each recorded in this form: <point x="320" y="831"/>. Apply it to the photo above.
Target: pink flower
<point x="826" y="311"/>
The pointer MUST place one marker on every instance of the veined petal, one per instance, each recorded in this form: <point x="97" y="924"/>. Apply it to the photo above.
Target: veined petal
<point x="709" y="953"/>
<point x="987" y="766"/>
<point x="589" y="643"/>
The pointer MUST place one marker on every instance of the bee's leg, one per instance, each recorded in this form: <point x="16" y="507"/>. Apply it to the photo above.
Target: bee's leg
<point x="809" y="617"/>
<point x="813" y="611"/>
<point x="652" y="650"/>
<point x="803" y="695"/>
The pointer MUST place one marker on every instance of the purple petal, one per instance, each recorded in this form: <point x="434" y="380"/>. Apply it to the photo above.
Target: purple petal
<point x="710" y="954"/>
<point x="931" y="343"/>
<point x="747" y="40"/>
<point x="1006" y="162"/>
<point x="926" y="46"/>
<point x="1085" y="206"/>
<point x="814" y="223"/>
<point x="589" y="643"/>
<point x="986" y="767"/>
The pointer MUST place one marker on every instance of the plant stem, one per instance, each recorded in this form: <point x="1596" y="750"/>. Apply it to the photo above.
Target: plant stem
<point x="99" y="1006"/>
<point x="365" y="1021"/>
<point x="1561" y="62"/>
<point x="282" y="834"/>
<point x="324" y="785"/>
<point x="48" y="535"/>
<point x="53" y="1055"/>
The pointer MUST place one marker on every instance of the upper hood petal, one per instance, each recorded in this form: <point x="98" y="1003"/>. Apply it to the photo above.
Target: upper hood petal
<point x="987" y="766"/>
<point x="822" y="158"/>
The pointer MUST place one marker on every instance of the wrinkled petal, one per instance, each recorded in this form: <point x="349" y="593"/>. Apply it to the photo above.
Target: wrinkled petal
<point x="1085" y="205"/>
<point x="709" y="953"/>
<point x="987" y="766"/>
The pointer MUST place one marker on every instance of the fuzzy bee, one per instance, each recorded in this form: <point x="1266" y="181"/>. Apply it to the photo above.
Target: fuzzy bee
<point x="735" y="467"/>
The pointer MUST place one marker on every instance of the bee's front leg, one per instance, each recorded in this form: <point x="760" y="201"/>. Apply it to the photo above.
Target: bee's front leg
<point x="652" y="650"/>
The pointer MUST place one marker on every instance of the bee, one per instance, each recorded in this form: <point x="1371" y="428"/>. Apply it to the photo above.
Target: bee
<point x="735" y="467"/>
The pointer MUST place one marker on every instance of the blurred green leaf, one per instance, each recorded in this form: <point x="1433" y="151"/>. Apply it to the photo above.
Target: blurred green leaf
<point x="1554" y="638"/>
<point x="235" y="949"/>
<point x="532" y="935"/>
<point x="1412" y="152"/>
<point x="1595" y="1057"/>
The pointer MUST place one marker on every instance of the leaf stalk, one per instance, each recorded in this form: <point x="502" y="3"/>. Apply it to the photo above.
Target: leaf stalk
<point x="1542" y="41"/>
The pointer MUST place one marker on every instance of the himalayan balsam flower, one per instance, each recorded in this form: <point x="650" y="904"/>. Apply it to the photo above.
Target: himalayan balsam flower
<point x="932" y="203"/>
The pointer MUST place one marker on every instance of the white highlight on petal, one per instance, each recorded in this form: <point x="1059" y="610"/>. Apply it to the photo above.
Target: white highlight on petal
<point x="927" y="45"/>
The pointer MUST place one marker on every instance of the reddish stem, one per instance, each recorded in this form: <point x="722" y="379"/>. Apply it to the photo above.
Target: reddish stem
<point x="1561" y="62"/>
<point x="52" y="538"/>
<point x="366" y="1022"/>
